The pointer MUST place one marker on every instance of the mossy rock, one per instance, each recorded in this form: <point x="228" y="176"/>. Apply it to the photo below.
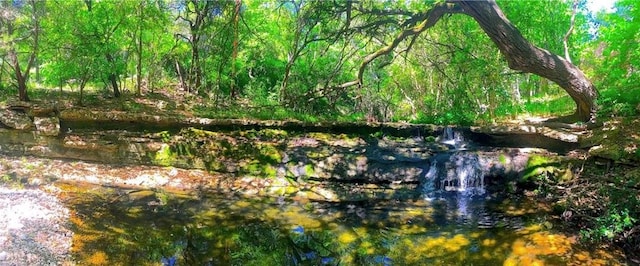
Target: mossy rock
<point x="268" y="153"/>
<point x="539" y="165"/>
<point x="164" y="156"/>
<point x="609" y="151"/>
<point x="617" y="140"/>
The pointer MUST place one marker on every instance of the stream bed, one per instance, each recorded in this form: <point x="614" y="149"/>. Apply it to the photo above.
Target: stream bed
<point x="274" y="198"/>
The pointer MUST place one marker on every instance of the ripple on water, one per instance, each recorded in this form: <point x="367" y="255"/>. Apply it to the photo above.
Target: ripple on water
<point x="227" y="229"/>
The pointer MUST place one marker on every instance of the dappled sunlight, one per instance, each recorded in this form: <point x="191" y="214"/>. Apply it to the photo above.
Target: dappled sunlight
<point x="97" y="258"/>
<point x="347" y="237"/>
<point x="421" y="249"/>
<point x="536" y="246"/>
<point x="145" y="227"/>
<point x="513" y="208"/>
<point x="596" y="258"/>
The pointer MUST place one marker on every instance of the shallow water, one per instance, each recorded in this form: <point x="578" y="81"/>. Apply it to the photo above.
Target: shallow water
<point x="145" y="227"/>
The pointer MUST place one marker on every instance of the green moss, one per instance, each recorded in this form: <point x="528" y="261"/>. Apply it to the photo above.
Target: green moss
<point x="308" y="170"/>
<point x="377" y="135"/>
<point x="269" y="171"/>
<point x="323" y="136"/>
<point x="538" y="165"/>
<point x="198" y="133"/>
<point x="503" y="159"/>
<point x="566" y="175"/>
<point x="317" y="154"/>
<point x="289" y="190"/>
<point x="269" y="154"/>
<point x="274" y="134"/>
<point x="253" y="168"/>
<point x="164" y="156"/>
<point x="537" y="160"/>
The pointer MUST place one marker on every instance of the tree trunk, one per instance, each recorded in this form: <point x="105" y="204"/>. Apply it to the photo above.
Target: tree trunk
<point x="180" y="72"/>
<point x="139" y="50"/>
<point x="114" y="83"/>
<point x="113" y="77"/>
<point x="565" y="40"/>
<point x="21" y="79"/>
<point x="195" y="73"/>
<point x="524" y="56"/>
<point x="22" y="89"/>
<point x="234" y="91"/>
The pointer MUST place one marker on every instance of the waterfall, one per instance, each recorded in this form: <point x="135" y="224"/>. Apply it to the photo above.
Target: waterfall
<point x="460" y="171"/>
<point x="452" y="138"/>
<point x="454" y="171"/>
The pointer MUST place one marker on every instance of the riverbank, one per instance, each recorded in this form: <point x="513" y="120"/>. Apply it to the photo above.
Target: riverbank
<point x="35" y="228"/>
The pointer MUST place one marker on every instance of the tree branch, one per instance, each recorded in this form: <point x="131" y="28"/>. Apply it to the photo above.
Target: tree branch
<point x="427" y="19"/>
<point x="524" y="56"/>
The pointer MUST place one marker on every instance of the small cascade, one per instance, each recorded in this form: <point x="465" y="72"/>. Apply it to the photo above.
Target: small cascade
<point x="454" y="170"/>
<point x="459" y="171"/>
<point x="453" y="138"/>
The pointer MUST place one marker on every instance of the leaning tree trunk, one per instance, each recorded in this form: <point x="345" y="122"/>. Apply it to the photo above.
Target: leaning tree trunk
<point x="524" y="56"/>
<point x="520" y="54"/>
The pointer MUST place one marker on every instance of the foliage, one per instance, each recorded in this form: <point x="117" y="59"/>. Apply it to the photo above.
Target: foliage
<point x="256" y="245"/>
<point x="614" y="214"/>
<point x="280" y="58"/>
<point x="609" y="226"/>
<point x="616" y="59"/>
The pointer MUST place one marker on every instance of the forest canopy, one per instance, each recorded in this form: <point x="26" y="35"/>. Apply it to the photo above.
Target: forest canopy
<point x="354" y="60"/>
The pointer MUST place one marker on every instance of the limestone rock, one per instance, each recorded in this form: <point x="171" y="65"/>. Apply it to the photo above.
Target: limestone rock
<point x="48" y="126"/>
<point x="15" y="119"/>
<point x="43" y="110"/>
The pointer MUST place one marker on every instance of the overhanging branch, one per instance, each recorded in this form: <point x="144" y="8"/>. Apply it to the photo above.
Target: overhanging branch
<point x="427" y="20"/>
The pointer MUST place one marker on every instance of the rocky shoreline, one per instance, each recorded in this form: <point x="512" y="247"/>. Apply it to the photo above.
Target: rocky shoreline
<point x="35" y="228"/>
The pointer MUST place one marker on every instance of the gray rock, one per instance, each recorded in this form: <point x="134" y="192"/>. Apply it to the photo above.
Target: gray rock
<point x="48" y="126"/>
<point x="14" y="119"/>
<point x="44" y="237"/>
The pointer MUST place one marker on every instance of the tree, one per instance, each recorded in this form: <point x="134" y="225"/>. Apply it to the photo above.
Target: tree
<point x="616" y="58"/>
<point x="148" y="31"/>
<point x="20" y="23"/>
<point x="519" y="53"/>
<point x="92" y="39"/>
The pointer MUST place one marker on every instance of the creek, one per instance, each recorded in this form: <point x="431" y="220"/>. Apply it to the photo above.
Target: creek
<point x="455" y="217"/>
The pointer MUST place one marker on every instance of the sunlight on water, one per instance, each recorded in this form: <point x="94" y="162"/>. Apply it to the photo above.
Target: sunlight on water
<point x="157" y="228"/>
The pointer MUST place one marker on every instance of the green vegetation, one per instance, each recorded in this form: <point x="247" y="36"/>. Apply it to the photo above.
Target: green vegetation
<point x="164" y="156"/>
<point x="540" y="167"/>
<point x="600" y="202"/>
<point x="373" y="61"/>
<point x="280" y="59"/>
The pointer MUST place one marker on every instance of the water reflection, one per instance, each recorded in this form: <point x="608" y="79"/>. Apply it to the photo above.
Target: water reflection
<point x="119" y="227"/>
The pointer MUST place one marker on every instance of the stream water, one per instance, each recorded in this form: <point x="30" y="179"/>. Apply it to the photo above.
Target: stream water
<point x="117" y="227"/>
<point x="455" y="222"/>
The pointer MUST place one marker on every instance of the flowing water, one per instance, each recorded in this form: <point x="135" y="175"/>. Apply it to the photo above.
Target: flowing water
<point x="455" y="222"/>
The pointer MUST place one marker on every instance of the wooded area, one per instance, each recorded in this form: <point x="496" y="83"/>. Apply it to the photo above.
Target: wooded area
<point x="300" y="90"/>
<point x="363" y="60"/>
